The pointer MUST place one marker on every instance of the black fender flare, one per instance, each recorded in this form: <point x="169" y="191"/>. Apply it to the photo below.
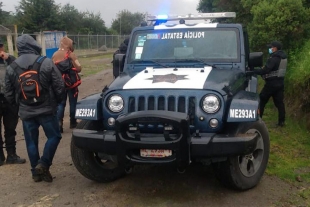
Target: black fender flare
<point x="89" y="108"/>
<point x="244" y="107"/>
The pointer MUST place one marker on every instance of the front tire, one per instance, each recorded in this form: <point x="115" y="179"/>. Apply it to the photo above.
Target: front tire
<point x="245" y="171"/>
<point x="93" y="165"/>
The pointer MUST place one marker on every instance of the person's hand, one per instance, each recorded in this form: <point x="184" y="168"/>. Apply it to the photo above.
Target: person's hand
<point x="3" y="55"/>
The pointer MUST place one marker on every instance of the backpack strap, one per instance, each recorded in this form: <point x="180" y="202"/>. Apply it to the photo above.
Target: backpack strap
<point x="67" y="54"/>
<point x="36" y="65"/>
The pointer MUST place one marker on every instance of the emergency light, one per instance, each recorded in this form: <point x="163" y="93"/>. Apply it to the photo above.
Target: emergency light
<point x="198" y="16"/>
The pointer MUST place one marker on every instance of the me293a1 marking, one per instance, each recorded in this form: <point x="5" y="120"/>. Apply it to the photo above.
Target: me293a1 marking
<point x="242" y="114"/>
<point x="85" y="112"/>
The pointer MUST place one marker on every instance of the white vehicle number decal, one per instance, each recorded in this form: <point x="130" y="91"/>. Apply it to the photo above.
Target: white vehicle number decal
<point x="85" y="112"/>
<point x="242" y="114"/>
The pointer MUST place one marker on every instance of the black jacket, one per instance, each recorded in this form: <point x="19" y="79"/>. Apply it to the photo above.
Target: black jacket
<point x="50" y="78"/>
<point x="272" y="64"/>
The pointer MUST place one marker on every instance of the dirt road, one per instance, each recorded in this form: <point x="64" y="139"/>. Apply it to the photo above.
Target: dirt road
<point x="146" y="186"/>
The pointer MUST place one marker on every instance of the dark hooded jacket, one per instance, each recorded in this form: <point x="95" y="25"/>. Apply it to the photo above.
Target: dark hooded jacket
<point x="50" y="78"/>
<point x="272" y="64"/>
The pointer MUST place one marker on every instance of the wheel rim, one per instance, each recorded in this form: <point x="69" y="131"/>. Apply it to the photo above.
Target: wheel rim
<point x="250" y="164"/>
<point x="106" y="161"/>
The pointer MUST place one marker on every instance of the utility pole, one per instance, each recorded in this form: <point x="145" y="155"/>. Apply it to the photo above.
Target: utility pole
<point x="120" y="25"/>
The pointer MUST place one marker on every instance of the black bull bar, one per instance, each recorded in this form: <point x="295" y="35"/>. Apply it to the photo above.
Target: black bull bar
<point x="161" y="130"/>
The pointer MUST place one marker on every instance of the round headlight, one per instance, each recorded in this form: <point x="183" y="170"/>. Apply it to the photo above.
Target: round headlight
<point x="211" y="104"/>
<point x="116" y="103"/>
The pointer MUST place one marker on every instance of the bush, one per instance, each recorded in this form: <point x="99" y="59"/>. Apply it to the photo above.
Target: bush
<point x="298" y="84"/>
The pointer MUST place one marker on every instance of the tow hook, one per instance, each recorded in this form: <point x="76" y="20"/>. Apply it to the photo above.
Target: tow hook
<point x="181" y="170"/>
<point x="128" y="170"/>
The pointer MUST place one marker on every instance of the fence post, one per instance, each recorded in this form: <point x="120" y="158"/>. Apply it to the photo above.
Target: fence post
<point x="88" y="40"/>
<point x="78" y="40"/>
<point x="105" y="39"/>
<point x="10" y="43"/>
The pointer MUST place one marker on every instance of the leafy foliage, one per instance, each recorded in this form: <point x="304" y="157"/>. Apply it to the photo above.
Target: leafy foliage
<point x="126" y="21"/>
<point x="267" y="20"/>
<point x="6" y="18"/>
<point x="43" y="15"/>
<point x="69" y="18"/>
<point x="283" y="20"/>
<point x="37" y="15"/>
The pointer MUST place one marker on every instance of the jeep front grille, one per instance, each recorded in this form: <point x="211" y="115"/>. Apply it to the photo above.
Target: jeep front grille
<point x="171" y="103"/>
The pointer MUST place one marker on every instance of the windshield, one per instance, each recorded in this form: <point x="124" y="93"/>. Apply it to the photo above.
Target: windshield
<point x="203" y="44"/>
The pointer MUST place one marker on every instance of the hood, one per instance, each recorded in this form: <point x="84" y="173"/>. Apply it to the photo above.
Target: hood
<point x="123" y="48"/>
<point x="279" y="54"/>
<point x="66" y="44"/>
<point x="223" y="81"/>
<point x="27" y="45"/>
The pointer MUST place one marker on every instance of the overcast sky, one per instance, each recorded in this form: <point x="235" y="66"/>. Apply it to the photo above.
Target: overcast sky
<point x="109" y="8"/>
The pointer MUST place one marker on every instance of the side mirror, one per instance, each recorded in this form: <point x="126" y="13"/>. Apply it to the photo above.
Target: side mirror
<point x="255" y="60"/>
<point x="118" y="64"/>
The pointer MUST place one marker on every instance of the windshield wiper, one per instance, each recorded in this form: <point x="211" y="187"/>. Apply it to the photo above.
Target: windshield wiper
<point x="149" y="61"/>
<point x="197" y="60"/>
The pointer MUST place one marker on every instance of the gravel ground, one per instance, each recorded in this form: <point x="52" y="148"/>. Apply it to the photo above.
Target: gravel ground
<point x="146" y="186"/>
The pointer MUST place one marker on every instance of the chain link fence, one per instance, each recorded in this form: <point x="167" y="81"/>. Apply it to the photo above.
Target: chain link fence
<point x="83" y="42"/>
<point x="96" y="42"/>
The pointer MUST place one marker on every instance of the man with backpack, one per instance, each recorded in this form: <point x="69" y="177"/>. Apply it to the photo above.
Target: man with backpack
<point x="69" y="66"/>
<point x="8" y="115"/>
<point x="35" y="84"/>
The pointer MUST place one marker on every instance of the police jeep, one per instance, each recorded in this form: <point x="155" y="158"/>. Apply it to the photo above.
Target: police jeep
<point x="184" y="96"/>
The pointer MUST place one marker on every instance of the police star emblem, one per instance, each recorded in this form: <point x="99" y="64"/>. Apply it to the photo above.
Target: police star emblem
<point x="169" y="78"/>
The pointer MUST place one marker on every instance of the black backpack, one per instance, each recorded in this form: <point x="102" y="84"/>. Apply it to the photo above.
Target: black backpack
<point x="31" y="91"/>
<point x="69" y="73"/>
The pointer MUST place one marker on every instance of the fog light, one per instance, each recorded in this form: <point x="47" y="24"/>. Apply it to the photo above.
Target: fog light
<point x="214" y="123"/>
<point x="111" y="121"/>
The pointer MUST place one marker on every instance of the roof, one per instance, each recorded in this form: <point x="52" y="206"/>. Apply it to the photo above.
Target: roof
<point x="4" y="30"/>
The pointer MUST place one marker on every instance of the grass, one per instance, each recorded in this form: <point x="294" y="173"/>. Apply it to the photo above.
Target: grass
<point x="289" y="152"/>
<point x="94" y="64"/>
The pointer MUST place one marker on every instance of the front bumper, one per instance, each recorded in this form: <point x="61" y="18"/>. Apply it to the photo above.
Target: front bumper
<point x="131" y="135"/>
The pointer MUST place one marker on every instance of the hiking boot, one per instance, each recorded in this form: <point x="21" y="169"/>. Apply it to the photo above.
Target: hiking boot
<point x="44" y="173"/>
<point x="61" y="127"/>
<point x="73" y="124"/>
<point x="37" y="178"/>
<point x="14" y="159"/>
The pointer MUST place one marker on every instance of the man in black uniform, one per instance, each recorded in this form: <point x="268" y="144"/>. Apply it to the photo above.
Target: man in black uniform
<point x="117" y="69"/>
<point x="8" y="115"/>
<point x="273" y="73"/>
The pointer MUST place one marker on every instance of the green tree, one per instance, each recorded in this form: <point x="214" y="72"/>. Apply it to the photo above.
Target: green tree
<point x="92" y="24"/>
<point x="74" y="22"/>
<point x="206" y="6"/>
<point x="126" y="21"/>
<point x="283" y="20"/>
<point x="6" y="18"/>
<point x="243" y="15"/>
<point x="38" y="15"/>
<point x="70" y="19"/>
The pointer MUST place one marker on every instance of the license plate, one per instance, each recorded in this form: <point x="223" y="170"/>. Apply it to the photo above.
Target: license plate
<point x="155" y="153"/>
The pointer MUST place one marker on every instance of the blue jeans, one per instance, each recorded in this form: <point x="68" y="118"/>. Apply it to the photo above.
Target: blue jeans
<point x="50" y="126"/>
<point x="73" y="97"/>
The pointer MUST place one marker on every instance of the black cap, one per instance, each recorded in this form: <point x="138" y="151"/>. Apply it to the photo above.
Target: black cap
<point x="1" y="43"/>
<point x="276" y="44"/>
